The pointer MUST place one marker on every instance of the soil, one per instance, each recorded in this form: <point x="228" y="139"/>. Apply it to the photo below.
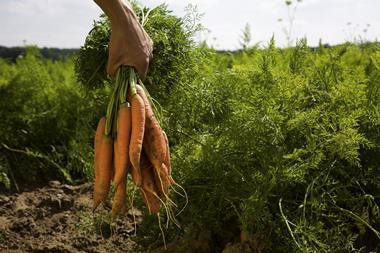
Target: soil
<point x="58" y="218"/>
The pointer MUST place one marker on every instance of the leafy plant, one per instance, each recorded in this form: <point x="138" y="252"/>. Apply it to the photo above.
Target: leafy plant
<point x="278" y="145"/>
<point x="45" y="126"/>
<point x="174" y="58"/>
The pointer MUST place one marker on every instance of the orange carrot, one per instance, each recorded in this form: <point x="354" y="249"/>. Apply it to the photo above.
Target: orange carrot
<point x="103" y="177"/>
<point x="116" y="160"/>
<point x="97" y="143"/>
<point x="137" y="136"/>
<point x="119" y="200"/>
<point x="149" y="189"/>
<point x="155" y="146"/>
<point x="167" y="158"/>
<point x="148" y="108"/>
<point x="123" y="138"/>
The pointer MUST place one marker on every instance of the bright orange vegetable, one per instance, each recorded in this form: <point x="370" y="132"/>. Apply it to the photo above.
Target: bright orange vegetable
<point x="119" y="200"/>
<point x="167" y="158"/>
<point x="123" y="139"/>
<point x="155" y="147"/>
<point x="137" y="136"/>
<point x="116" y="161"/>
<point x="103" y="177"/>
<point x="148" y="188"/>
<point x="97" y="142"/>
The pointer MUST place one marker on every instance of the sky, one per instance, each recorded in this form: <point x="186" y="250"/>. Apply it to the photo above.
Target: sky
<point x="65" y="23"/>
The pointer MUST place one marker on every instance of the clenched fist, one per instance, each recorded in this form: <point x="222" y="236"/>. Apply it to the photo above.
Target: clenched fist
<point x="129" y="44"/>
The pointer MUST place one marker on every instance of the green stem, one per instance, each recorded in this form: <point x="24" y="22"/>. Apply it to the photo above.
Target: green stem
<point x="110" y="112"/>
<point x="126" y="77"/>
<point x="133" y="82"/>
<point x="115" y="110"/>
<point x="113" y="106"/>
<point x="125" y="71"/>
<point x="288" y="226"/>
<point x="359" y="219"/>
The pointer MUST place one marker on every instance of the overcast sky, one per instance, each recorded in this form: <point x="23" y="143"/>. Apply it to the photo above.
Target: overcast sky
<point x="65" y="23"/>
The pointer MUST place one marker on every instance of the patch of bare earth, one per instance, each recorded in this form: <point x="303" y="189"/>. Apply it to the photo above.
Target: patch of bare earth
<point x="58" y="218"/>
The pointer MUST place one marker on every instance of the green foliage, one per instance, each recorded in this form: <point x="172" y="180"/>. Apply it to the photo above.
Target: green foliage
<point x="47" y="122"/>
<point x="288" y="124"/>
<point x="4" y="179"/>
<point x="283" y="144"/>
<point x="246" y="37"/>
<point x="12" y="53"/>
<point x="174" y="53"/>
<point x="91" y="62"/>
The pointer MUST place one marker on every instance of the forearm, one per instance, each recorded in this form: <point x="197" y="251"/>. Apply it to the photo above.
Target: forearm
<point x="115" y="10"/>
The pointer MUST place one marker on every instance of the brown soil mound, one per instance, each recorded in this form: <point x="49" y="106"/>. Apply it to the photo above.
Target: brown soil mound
<point x="58" y="218"/>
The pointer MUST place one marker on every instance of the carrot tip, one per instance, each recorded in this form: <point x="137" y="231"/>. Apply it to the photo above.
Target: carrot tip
<point x="95" y="206"/>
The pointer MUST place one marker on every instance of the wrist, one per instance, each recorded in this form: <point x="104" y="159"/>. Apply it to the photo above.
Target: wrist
<point x="114" y="9"/>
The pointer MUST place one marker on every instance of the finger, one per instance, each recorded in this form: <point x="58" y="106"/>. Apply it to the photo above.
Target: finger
<point x="142" y="67"/>
<point x="112" y="66"/>
<point x="114" y="54"/>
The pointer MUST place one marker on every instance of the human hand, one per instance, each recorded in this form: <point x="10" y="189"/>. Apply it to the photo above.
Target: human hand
<point x="129" y="43"/>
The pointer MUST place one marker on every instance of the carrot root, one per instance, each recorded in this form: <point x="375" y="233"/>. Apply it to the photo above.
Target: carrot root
<point x="103" y="177"/>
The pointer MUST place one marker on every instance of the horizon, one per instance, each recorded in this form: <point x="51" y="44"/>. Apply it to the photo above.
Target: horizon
<point x="335" y="22"/>
<point x="218" y="50"/>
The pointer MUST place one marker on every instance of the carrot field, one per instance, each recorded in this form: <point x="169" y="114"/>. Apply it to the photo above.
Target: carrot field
<point x="277" y="148"/>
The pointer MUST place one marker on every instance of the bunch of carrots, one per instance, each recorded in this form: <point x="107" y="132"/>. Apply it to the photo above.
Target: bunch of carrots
<point x="129" y="139"/>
